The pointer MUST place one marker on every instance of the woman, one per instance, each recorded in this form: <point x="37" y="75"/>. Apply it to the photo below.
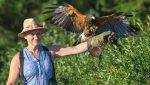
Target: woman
<point x="37" y="67"/>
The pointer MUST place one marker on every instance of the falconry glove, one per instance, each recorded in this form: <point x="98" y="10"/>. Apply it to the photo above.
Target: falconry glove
<point x="99" y="40"/>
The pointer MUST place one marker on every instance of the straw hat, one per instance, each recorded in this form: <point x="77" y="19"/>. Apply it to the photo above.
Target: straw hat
<point x="31" y="25"/>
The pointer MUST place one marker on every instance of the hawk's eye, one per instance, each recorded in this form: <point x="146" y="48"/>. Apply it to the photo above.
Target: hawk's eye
<point x="89" y="24"/>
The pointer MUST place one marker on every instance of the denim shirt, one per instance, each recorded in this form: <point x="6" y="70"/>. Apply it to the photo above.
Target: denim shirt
<point x="36" y="71"/>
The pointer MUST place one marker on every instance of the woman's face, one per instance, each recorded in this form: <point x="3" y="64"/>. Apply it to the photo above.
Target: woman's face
<point x="33" y="39"/>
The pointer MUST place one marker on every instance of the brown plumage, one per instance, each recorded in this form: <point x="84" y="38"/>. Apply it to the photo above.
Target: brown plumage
<point x="70" y="19"/>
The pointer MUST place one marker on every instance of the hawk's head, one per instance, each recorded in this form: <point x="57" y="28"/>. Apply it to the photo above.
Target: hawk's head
<point x="90" y="19"/>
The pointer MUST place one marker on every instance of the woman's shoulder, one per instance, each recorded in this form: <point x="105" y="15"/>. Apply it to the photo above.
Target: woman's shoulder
<point x="15" y="58"/>
<point x="16" y="55"/>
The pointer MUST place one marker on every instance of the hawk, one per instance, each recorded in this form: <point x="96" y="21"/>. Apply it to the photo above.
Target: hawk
<point x="69" y="18"/>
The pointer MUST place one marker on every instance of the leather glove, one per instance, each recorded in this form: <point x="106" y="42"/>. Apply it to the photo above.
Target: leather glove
<point x="99" y="40"/>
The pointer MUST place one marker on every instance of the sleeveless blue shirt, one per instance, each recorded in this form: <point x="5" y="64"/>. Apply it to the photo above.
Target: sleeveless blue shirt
<point x="36" y="71"/>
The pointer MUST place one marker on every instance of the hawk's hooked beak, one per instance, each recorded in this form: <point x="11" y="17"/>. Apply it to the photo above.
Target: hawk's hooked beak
<point x="93" y="17"/>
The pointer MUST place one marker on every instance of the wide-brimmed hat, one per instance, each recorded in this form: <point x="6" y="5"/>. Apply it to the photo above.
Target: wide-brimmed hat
<point x="31" y="25"/>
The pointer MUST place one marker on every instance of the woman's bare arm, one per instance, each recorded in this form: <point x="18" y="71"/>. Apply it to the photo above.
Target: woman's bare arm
<point x="14" y="70"/>
<point x="60" y="51"/>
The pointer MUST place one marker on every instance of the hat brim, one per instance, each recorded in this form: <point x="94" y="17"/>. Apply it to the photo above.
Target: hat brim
<point x="23" y="34"/>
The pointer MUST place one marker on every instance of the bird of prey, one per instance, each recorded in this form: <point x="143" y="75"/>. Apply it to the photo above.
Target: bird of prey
<point x="67" y="17"/>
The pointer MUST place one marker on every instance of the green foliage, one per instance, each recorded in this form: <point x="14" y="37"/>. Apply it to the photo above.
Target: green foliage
<point x="129" y="66"/>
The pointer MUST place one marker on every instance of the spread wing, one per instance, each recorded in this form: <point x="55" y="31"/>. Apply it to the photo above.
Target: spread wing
<point x="67" y="17"/>
<point x="118" y="24"/>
